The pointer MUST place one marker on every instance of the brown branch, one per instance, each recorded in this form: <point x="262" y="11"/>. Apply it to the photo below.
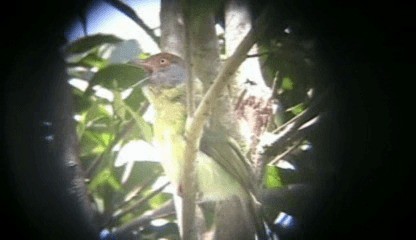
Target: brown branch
<point x="187" y="223"/>
<point x="195" y="125"/>
<point x="188" y="57"/>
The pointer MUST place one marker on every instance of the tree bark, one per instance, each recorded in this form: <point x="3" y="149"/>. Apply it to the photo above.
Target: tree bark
<point x="172" y="38"/>
<point x="231" y="219"/>
<point x="253" y="102"/>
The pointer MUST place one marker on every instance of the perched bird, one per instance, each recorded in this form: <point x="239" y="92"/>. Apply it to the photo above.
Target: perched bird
<point x="221" y="169"/>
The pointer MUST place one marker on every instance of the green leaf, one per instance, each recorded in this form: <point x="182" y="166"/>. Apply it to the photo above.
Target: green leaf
<point x="92" y="60"/>
<point x="135" y="99"/>
<point x="145" y="128"/>
<point x="103" y="178"/>
<point x="144" y="55"/>
<point x="117" y="77"/>
<point x="81" y="103"/>
<point x="118" y="105"/>
<point x="97" y="111"/>
<point x="272" y="178"/>
<point x="159" y="199"/>
<point x="143" y="172"/>
<point x="297" y="109"/>
<point x="287" y="84"/>
<point x="94" y="143"/>
<point x="80" y="72"/>
<point x="87" y="43"/>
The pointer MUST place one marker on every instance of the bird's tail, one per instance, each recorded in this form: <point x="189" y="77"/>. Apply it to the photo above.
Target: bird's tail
<point x="256" y="217"/>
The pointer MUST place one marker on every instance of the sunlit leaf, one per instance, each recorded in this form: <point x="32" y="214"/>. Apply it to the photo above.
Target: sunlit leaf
<point x="117" y="76"/>
<point x="105" y="177"/>
<point x="135" y="99"/>
<point x="94" y="143"/>
<point x="297" y="109"/>
<point x="159" y="199"/>
<point x="113" y="182"/>
<point x="142" y="172"/>
<point x="87" y="43"/>
<point x="272" y="178"/>
<point x="118" y="105"/>
<point x="287" y="84"/>
<point x="92" y="60"/>
<point x="80" y="72"/>
<point x="95" y="112"/>
<point x="81" y="103"/>
<point x="144" y="55"/>
<point x="145" y="128"/>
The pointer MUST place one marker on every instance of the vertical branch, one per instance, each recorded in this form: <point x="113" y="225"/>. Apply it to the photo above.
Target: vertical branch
<point x="254" y="108"/>
<point x="205" y="48"/>
<point x="172" y="37"/>
<point x="175" y="39"/>
<point x="186" y="5"/>
<point x="194" y="128"/>
<point x="189" y="175"/>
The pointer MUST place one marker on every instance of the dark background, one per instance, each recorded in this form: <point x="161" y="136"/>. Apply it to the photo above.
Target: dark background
<point x="366" y="46"/>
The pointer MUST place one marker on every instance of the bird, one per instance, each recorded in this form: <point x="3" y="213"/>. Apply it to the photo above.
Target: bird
<point x="222" y="171"/>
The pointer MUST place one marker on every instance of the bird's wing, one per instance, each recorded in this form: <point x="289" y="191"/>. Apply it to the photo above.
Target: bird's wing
<point x="226" y="152"/>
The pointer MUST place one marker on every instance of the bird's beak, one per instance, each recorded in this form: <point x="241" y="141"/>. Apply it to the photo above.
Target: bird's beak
<point x="144" y="64"/>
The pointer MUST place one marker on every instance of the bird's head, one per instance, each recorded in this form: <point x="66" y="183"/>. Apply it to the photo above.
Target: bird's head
<point x="167" y="78"/>
<point x="165" y="70"/>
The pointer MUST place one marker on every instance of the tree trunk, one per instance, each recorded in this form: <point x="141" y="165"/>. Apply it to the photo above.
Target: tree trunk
<point x="253" y="101"/>
<point x="232" y="220"/>
<point x="172" y="37"/>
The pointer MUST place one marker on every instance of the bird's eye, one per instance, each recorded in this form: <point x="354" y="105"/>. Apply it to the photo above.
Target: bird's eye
<point x="162" y="61"/>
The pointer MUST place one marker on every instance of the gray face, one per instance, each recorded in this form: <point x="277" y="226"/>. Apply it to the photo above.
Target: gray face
<point x="169" y="76"/>
<point x="165" y="69"/>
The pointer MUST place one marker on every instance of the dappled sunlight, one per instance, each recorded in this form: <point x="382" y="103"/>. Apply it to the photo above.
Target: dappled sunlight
<point x="263" y="128"/>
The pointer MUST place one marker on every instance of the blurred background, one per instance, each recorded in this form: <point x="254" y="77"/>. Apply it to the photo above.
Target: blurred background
<point x="348" y="45"/>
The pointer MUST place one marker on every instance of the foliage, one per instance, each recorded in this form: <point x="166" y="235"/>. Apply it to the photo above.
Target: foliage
<point x="109" y="111"/>
<point x="109" y="115"/>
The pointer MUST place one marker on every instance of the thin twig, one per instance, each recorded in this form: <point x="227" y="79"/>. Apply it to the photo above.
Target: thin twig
<point x="272" y="100"/>
<point x="240" y="99"/>
<point x="276" y="81"/>
<point x="307" y="114"/>
<point x="120" y="135"/>
<point x="138" y="204"/>
<point x="257" y="54"/>
<point x="293" y="135"/>
<point x="96" y="162"/>
<point x="140" y="189"/>
<point x="285" y="153"/>
<point x="165" y="210"/>
<point x="129" y="12"/>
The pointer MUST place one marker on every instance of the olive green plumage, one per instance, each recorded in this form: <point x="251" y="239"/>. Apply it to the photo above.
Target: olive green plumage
<point x="222" y="170"/>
